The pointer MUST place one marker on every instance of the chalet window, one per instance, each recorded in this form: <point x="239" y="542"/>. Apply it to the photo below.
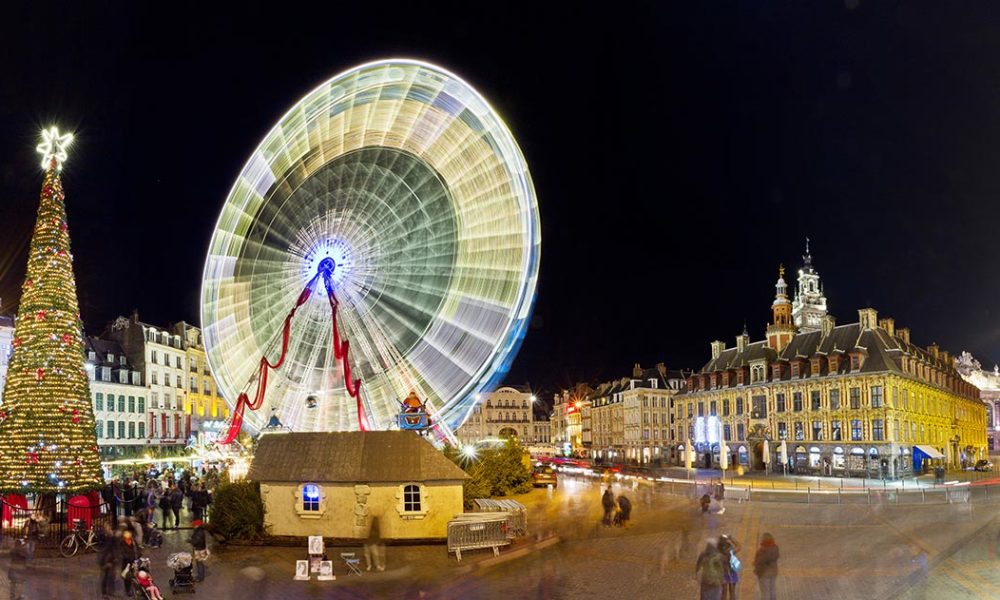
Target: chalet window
<point x="413" y="500"/>
<point x="310" y="497"/>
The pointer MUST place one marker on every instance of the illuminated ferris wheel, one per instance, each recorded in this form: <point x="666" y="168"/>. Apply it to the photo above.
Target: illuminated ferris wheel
<point x="391" y="208"/>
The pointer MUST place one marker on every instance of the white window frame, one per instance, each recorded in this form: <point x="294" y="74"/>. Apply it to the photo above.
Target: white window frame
<point x="424" y="497"/>
<point x="300" y="501"/>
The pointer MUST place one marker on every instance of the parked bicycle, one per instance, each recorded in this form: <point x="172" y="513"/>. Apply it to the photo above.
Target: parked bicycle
<point x="81" y="537"/>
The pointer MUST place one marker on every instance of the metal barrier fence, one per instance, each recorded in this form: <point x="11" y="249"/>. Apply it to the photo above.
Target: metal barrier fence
<point x="897" y="494"/>
<point x="517" y="514"/>
<point x="54" y="515"/>
<point x="473" y="531"/>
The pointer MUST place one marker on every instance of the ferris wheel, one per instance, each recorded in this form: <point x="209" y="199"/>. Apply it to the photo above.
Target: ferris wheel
<point x="382" y="239"/>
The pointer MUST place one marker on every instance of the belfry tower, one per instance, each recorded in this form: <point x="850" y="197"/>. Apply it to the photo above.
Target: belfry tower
<point x="809" y="306"/>
<point x="781" y="331"/>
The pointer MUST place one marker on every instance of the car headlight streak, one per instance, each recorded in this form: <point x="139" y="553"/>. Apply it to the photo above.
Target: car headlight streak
<point x="405" y="177"/>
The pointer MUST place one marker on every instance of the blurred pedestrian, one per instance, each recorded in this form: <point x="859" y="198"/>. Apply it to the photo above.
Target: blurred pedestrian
<point x="128" y="552"/>
<point x="199" y="543"/>
<point x="106" y="547"/>
<point x="720" y="496"/>
<point x="731" y="567"/>
<point x="374" y="548"/>
<point x="705" y="502"/>
<point x="625" y="506"/>
<point x="608" y="502"/>
<point x="176" y="503"/>
<point x="708" y="572"/>
<point x="32" y="532"/>
<point x="765" y="567"/>
<point x="17" y="569"/>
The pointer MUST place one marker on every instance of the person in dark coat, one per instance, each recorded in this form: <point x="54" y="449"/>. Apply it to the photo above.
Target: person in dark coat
<point x="199" y="502"/>
<point x="625" y="505"/>
<point x="765" y="566"/>
<point x="176" y="502"/>
<point x="107" y="547"/>
<point x="608" y="502"/>
<point x="128" y="552"/>
<point x="199" y="543"/>
<point x="708" y="572"/>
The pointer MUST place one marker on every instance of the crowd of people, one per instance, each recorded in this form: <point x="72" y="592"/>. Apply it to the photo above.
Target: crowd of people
<point x="719" y="568"/>
<point x="141" y="493"/>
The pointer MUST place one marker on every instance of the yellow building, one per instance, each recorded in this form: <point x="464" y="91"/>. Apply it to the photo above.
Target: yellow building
<point x="333" y="484"/>
<point x="202" y="398"/>
<point x="856" y="399"/>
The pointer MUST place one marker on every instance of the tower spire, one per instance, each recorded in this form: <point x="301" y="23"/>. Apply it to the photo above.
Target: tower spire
<point x="809" y="306"/>
<point x="781" y="330"/>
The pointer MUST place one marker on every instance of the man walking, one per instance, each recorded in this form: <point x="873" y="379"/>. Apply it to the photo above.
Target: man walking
<point x="708" y="572"/>
<point x="106" y="546"/>
<point x="608" y="502"/>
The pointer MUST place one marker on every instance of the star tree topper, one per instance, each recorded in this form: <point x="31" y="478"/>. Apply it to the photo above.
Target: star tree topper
<point x="53" y="147"/>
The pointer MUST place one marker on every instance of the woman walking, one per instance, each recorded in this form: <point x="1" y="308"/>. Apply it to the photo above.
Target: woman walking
<point x="731" y="567"/>
<point x="765" y="566"/>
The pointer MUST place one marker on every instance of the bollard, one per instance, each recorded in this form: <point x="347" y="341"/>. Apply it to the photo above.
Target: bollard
<point x="869" y="496"/>
<point x="923" y="496"/>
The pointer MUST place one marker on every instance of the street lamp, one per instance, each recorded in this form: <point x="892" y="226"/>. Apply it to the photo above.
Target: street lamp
<point x="533" y="399"/>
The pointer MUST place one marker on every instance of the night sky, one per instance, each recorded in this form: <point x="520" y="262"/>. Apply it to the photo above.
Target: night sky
<point x="679" y="153"/>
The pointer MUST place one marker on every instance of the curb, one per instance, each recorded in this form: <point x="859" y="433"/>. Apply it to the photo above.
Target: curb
<point x="509" y="556"/>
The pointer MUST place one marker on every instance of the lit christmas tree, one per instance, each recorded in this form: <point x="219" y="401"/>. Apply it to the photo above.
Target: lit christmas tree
<point x="47" y="438"/>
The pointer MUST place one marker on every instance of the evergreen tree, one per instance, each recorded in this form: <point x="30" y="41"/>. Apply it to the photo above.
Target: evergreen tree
<point x="47" y="437"/>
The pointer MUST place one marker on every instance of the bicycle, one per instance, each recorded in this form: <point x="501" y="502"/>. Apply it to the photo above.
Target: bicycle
<point x="81" y="537"/>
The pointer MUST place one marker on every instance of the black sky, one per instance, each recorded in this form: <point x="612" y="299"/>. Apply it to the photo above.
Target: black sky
<point x="680" y="151"/>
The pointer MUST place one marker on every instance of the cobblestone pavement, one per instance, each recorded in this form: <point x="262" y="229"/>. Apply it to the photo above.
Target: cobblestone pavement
<point x="828" y="552"/>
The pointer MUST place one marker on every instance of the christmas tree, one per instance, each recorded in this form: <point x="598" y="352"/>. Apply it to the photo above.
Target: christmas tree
<point x="47" y="438"/>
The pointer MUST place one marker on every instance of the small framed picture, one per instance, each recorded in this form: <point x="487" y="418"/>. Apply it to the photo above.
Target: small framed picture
<point x="326" y="571"/>
<point x="301" y="570"/>
<point x="315" y="544"/>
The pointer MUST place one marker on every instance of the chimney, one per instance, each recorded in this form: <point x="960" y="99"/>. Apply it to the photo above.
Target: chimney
<point x="903" y="333"/>
<point x="933" y="349"/>
<point x="888" y="324"/>
<point x="946" y="358"/>
<point x="867" y="318"/>
<point x="661" y="368"/>
<point x="827" y="325"/>
<point x="135" y="315"/>
<point x="636" y="371"/>
<point x="717" y="348"/>
<point x="742" y="340"/>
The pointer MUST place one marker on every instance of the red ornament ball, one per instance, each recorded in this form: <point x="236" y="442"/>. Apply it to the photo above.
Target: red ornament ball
<point x="40" y="374"/>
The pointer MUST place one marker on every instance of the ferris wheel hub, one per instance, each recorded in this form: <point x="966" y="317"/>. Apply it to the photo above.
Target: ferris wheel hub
<point x="326" y="267"/>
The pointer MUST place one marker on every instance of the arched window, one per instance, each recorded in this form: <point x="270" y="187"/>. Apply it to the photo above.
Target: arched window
<point x="411" y="498"/>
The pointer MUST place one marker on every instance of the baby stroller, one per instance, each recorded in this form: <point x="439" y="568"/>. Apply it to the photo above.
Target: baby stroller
<point x="137" y="571"/>
<point x="183" y="580"/>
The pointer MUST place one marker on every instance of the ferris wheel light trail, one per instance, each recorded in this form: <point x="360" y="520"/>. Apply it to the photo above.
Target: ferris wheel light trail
<point x="397" y="184"/>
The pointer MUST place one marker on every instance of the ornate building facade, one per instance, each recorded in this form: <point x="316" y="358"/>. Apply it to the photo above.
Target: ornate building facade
<point x="856" y="399"/>
<point x="630" y="418"/>
<point x="988" y="383"/>
<point x="504" y="412"/>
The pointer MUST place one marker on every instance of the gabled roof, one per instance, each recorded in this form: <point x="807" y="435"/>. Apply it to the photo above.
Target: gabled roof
<point x="350" y="457"/>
